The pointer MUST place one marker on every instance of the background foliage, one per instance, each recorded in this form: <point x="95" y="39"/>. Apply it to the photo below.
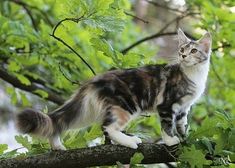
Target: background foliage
<point x="35" y="59"/>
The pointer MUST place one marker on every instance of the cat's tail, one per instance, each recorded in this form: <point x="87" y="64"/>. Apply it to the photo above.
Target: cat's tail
<point x="34" y="122"/>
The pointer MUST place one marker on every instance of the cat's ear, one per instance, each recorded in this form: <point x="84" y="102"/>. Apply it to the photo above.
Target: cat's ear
<point x="182" y="37"/>
<point x="205" y="42"/>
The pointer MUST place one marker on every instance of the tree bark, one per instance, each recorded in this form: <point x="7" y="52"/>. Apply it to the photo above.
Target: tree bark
<point x="102" y="155"/>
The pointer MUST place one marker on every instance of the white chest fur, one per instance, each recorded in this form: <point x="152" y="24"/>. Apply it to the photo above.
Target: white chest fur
<point x="198" y="75"/>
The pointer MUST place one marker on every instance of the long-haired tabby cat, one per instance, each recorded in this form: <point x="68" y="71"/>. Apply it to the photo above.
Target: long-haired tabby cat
<point x="118" y="96"/>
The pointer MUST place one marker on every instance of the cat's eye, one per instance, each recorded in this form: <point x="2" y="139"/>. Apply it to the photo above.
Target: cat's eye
<point x="182" y="50"/>
<point x="194" y="50"/>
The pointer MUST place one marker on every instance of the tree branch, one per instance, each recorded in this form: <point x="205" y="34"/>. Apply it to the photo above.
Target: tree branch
<point x="30" y="88"/>
<point x="102" y="155"/>
<point x="67" y="45"/>
<point x="160" y="33"/>
<point x="136" y="17"/>
<point x="124" y="51"/>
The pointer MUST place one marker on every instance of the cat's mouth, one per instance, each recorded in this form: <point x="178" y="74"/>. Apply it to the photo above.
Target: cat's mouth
<point x="184" y="61"/>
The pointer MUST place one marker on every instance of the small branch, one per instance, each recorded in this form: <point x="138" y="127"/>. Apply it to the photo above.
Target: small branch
<point x="25" y="7"/>
<point x="31" y="18"/>
<point x="102" y="155"/>
<point x="136" y="17"/>
<point x="30" y="88"/>
<point x="222" y="46"/>
<point x="212" y="63"/>
<point x="67" y="45"/>
<point x="160" y="33"/>
<point x="124" y="51"/>
<point x="73" y="82"/>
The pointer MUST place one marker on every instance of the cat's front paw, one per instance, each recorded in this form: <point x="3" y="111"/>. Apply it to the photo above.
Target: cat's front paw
<point x="58" y="147"/>
<point x="170" y="140"/>
<point x="136" y="139"/>
<point x="131" y="144"/>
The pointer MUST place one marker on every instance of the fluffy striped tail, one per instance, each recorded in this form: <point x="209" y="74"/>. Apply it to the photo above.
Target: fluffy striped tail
<point x="34" y="122"/>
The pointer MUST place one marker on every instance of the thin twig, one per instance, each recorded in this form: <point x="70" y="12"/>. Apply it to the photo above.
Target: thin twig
<point x="212" y="63"/>
<point x="124" y="51"/>
<point x="73" y="82"/>
<point x="160" y="33"/>
<point x="171" y="151"/>
<point x="222" y="46"/>
<point x="67" y="45"/>
<point x="215" y="72"/>
<point x="25" y="7"/>
<point x="136" y="17"/>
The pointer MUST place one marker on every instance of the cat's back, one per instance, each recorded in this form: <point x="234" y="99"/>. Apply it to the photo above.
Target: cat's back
<point x="129" y="88"/>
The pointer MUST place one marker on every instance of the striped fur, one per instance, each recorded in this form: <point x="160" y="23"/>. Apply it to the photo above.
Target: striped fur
<point x="118" y="96"/>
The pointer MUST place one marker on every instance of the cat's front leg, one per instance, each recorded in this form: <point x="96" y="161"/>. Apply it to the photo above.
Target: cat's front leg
<point x="167" y="118"/>
<point x="182" y="123"/>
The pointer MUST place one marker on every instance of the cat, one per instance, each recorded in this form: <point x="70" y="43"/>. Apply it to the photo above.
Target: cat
<point x="118" y="96"/>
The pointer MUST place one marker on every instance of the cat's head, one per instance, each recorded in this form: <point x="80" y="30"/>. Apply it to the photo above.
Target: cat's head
<point x="193" y="53"/>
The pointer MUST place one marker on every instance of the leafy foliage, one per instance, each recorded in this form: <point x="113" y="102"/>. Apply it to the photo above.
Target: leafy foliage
<point x="213" y="140"/>
<point x="193" y="156"/>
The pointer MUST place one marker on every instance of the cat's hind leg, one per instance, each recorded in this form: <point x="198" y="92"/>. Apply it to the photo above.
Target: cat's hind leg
<point x="115" y="121"/>
<point x="55" y="143"/>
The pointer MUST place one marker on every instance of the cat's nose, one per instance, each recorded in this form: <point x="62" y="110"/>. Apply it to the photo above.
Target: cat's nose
<point x="183" y="56"/>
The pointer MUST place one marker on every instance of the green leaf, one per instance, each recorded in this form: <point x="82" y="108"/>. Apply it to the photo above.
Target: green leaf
<point x="208" y="128"/>
<point x="13" y="66"/>
<point x="41" y="93"/>
<point x="9" y="154"/>
<point x="106" y="23"/>
<point x="136" y="158"/>
<point x="103" y="4"/>
<point x="75" y="140"/>
<point x="14" y="98"/>
<point x="3" y="147"/>
<point x="205" y="141"/>
<point x="37" y="148"/>
<point x="120" y="165"/>
<point x="24" y="99"/>
<point x="104" y="46"/>
<point x="23" y="79"/>
<point x="195" y="158"/>
<point x="232" y="157"/>
<point x="132" y="60"/>
<point x="23" y="140"/>
<point x="94" y="133"/>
